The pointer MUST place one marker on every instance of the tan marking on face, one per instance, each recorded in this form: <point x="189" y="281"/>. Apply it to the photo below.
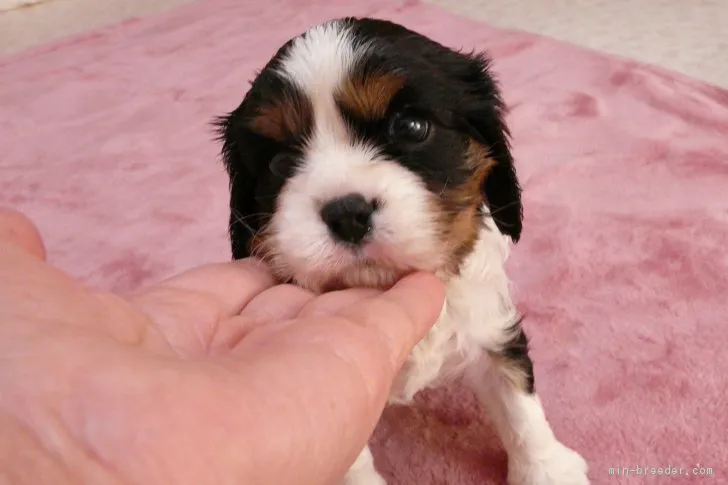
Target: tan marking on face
<point x="460" y="208"/>
<point x="283" y="121"/>
<point x="369" y="97"/>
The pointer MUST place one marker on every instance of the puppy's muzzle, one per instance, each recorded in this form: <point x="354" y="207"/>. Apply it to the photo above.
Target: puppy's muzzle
<point x="349" y="218"/>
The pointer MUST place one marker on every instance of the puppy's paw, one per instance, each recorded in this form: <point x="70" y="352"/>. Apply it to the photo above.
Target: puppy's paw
<point x="364" y="477"/>
<point x="557" y="465"/>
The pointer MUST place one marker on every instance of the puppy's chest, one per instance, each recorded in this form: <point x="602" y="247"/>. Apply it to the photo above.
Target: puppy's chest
<point x="473" y="321"/>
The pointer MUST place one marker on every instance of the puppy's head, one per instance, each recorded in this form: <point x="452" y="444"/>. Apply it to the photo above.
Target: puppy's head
<point x="363" y="151"/>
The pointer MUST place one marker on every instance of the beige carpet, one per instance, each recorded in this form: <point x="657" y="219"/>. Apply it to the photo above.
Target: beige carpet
<point x="683" y="35"/>
<point x="688" y="36"/>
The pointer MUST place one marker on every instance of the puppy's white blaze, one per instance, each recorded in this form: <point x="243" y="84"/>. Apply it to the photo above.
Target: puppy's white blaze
<point x="320" y="58"/>
<point x="317" y="62"/>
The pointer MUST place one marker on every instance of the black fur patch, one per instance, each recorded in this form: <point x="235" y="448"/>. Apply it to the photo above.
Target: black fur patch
<point x="515" y="353"/>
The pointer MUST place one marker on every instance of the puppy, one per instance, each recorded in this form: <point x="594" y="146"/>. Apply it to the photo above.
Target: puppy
<point x="363" y="151"/>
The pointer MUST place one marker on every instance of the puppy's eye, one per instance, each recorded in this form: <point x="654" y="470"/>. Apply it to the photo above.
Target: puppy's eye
<point x="282" y="164"/>
<point x="409" y="128"/>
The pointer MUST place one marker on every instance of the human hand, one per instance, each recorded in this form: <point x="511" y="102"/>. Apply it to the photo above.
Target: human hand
<point x="216" y="376"/>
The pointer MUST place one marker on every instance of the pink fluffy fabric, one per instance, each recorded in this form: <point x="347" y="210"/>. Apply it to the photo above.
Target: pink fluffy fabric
<point x="622" y="270"/>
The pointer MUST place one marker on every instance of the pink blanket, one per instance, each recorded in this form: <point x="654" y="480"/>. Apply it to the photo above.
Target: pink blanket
<point x="622" y="270"/>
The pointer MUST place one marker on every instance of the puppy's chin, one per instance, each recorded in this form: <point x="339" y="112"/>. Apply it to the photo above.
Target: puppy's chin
<point x="363" y="274"/>
<point x="373" y="266"/>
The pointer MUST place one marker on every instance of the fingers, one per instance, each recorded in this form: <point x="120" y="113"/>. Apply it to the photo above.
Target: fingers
<point x="189" y="309"/>
<point x="229" y="286"/>
<point x="403" y="315"/>
<point x="276" y="304"/>
<point x="18" y="230"/>
<point x="400" y="317"/>
<point x="334" y="302"/>
<point x="281" y="302"/>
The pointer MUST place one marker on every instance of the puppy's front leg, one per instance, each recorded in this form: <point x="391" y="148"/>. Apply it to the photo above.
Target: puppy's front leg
<point x="506" y="390"/>
<point x="362" y="472"/>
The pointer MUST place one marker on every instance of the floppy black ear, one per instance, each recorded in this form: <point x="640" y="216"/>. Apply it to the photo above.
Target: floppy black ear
<point x="485" y="113"/>
<point x="238" y="156"/>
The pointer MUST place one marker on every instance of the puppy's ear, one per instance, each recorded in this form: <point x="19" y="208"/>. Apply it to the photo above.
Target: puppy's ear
<point x="238" y="156"/>
<point x="485" y="116"/>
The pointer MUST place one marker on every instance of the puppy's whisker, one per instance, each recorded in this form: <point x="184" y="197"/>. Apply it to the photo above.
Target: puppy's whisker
<point x="246" y="226"/>
<point x="248" y="216"/>
<point x="502" y="222"/>
<point x="444" y="187"/>
<point x="240" y="219"/>
<point x="503" y="207"/>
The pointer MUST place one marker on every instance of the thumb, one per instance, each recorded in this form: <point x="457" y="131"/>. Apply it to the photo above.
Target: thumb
<point x="17" y="230"/>
<point x="403" y="315"/>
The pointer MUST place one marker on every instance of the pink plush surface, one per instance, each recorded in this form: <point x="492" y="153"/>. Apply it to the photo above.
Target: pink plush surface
<point x="622" y="270"/>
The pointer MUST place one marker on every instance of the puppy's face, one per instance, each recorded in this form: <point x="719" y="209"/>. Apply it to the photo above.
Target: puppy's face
<point x="363" y="151"/>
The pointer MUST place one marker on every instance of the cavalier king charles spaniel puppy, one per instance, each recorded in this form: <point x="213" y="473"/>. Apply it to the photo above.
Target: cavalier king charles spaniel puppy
<point x="363" y="151"/>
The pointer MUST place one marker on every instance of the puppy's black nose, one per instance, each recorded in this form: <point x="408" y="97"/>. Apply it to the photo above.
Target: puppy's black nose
<point x="349" y="218"/>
